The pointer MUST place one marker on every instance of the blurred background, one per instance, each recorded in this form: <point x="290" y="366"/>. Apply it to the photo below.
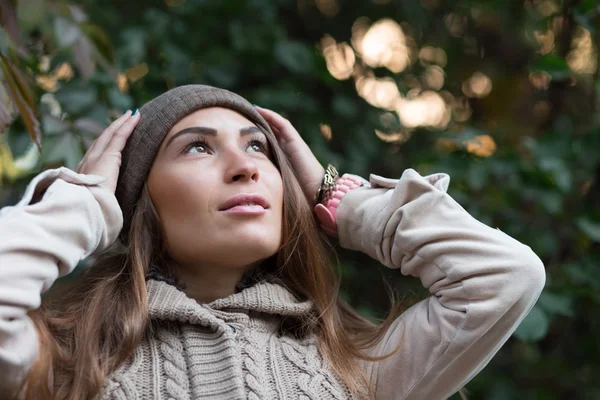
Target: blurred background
<point x="501" y="94"/>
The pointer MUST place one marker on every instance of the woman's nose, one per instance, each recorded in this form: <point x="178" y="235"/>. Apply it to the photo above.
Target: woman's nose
<point x="241" y="167"/>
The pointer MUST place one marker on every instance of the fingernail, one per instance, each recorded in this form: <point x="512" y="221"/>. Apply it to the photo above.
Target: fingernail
<point x="256" y="105"/>
<point x="126" y="111"/>
<point x="135" y="112"/>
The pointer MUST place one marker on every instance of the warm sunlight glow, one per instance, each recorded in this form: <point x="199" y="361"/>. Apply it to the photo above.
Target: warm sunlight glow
<point x="583" y="57"/>
<point x="545" y="41"/>
<point x="326" y="131"/>
<point x="122" y="83"/>
<point x="64" y="72"/>
<point x="340" y="58"/>
<point x="482" y="146"/>
<point x="461" y="109"/>
<point x="540" y="79"/>
<point x="50" y="82"/>
<point x="384" y="45"/>
<point x="427" y="109"/>
<point x="433" y="77"/>
<point x="396" y="137"/>
<point x="379" y="92"/>
<point x="359" y="30"/>
<point x="478" y="85"/>
<point x="433" y="55"/>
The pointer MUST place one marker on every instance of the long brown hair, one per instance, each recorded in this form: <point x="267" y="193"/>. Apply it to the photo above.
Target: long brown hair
<point x="92" y="326"/>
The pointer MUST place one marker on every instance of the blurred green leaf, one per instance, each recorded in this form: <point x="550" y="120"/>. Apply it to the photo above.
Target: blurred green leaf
<point x="54" y="126"/>
<point x="554" y="303"/>
<point x="66" y="32"/>
<point x="119" y="100"/>
<point x="554" y="65"/>
<point x="592" y="229"/>
<point x="76" y="100"/>
<point x="31" y="13"/>
<point x="63" y="149"/>
<point x="4" y="41"/>
<point x="534" y="327"/>
<point x="20" y="94"/>
<point x="559" y="171"/>
<point x="294" y="55"/>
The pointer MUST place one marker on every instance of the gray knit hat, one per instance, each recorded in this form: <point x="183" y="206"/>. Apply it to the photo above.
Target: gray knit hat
<point x="158" y="117"/>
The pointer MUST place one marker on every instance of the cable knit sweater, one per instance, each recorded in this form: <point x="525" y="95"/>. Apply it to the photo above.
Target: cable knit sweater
<point x="482" y="284"/>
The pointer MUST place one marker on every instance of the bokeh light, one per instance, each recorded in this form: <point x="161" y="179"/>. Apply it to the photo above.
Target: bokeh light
<point x="427" y="109"/>
<point x="379" y="92"/>
<point x="384" y="45"/>
<point x="340" y="58"/>
<point x="545" y="40"/>
<point x="478" y="85"/>
<point x="540" y="79"/>
<point x="433" y="55"/>
<point x="326" y="131"/>
<point x="433" y="77"/>
<point x="583" y="58"/>
<point x="482" y="146"/>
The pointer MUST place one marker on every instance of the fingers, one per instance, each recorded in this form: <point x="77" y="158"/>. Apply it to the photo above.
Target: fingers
<point x="119" y="138"/>
<point x="102" y="140"/>
<point x="279" y="124"/>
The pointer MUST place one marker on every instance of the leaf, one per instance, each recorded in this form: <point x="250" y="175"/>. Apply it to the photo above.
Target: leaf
<point x="54" y="126"/>
<point x="99" y="38"/>
<point x="23" y="85"/>
<point x="555" y="303"/>
<point x="119" y="100"/>
<point x="31" y="14"/>
<point x="87" y="125"/>
<point x="534" y="326"/>
<point x="559" y="172"/>
<point x="66" y="32"/>
<point x="82" y="51"/>
<point x="64" y="149"/>
<point x="5" y="41"/>
<point x="592" y="229"/>
<point x="587" y="6"/>
<point x="9" y="21"/>
<point x="26" y="109"/>
<point x="584" y="274"/>
<point x="7" y="109"/>
<point x="28" y="161"/>
<point x="77" y="13"/>
<point x="294" y="55"/>
<point x="76" y="100"/>
<point x="553" y="64"/>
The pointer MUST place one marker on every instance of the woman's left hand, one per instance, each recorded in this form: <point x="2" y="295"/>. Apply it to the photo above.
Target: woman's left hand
<point x="308" y="169"/>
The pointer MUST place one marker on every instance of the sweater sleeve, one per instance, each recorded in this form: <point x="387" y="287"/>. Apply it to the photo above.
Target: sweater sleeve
<point x="62" y="218"/>
<point x="482" y="283"/>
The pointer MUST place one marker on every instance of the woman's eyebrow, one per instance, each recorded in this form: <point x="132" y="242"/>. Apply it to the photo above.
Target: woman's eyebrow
<point x="210" y="131"/>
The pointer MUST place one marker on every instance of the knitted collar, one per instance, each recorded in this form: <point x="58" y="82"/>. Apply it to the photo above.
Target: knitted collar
<point x="166" y="302"/>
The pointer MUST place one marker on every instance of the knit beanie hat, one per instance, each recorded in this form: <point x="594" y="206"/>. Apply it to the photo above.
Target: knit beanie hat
<point x="158" y="117"/>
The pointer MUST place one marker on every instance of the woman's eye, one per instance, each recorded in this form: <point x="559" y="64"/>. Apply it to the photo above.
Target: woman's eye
<point x="257" y="145"/>
<point x="200" y="147"/>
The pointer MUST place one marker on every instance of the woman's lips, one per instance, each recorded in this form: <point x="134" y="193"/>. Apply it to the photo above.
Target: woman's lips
<point x="246" y="209"/>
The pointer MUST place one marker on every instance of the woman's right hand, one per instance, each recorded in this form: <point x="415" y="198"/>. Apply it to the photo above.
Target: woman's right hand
<point x="104" y="155"/>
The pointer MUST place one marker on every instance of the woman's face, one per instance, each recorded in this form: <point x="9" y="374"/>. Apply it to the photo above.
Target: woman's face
<point x="205" y="160"/>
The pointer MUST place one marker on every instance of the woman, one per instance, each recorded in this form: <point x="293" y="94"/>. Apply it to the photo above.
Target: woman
<point x="220" y="287"/>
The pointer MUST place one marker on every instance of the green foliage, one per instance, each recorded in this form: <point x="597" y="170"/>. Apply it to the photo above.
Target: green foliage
<point x="523" y="156"/>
